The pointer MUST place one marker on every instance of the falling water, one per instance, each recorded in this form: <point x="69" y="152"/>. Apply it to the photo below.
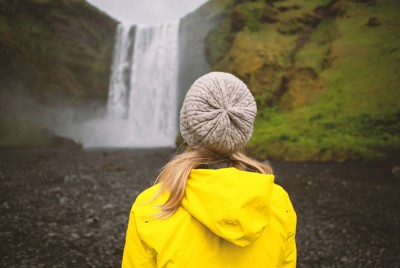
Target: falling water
<point x="142" y="102"/>
<point x="118" y="101"/>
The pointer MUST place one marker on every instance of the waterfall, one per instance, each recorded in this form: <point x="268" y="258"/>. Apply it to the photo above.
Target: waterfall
<point x="142" y="101"/>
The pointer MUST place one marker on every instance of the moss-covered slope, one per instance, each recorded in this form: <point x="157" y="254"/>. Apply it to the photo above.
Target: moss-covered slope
<point x="55" y="48"/>
<point x="325" y="74"/>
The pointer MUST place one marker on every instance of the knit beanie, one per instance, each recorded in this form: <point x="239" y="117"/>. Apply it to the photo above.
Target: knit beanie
<point x="218" y="113"/>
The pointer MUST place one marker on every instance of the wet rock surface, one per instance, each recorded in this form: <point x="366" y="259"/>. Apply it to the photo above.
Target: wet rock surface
<point x="66" y="207"/>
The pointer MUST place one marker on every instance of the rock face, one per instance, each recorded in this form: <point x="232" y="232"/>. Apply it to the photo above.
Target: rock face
<point x="311" y="67"/>
<point x="52" y="53"/>
<point x="55" y="49"/>
<point x="192" y="60"/>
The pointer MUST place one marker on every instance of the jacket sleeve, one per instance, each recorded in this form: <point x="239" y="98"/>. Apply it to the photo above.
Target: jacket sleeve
<point x="136" y="252"/>
<point x="290" y="257"/>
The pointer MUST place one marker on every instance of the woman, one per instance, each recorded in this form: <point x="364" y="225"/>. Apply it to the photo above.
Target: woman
<point x="213" y="206"/>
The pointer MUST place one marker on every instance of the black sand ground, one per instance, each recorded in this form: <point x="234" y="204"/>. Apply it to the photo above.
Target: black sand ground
<point x="69" y="208"/>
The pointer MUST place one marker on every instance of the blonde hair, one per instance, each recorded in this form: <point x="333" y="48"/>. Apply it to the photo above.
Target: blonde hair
<point x="175" y="173"/>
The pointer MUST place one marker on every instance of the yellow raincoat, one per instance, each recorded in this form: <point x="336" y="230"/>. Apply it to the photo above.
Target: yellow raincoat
<point x="228" y="218"/>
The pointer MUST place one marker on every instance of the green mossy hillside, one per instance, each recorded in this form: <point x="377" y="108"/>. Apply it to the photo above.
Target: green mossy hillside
<point x="325" y="74"/>
<point x="55" y="49"/>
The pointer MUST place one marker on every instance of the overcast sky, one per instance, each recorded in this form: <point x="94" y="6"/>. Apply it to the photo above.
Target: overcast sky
<point x="147" y="11"/>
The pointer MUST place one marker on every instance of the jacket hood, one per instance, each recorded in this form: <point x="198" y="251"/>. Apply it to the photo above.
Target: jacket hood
<point x="233" y="204"/>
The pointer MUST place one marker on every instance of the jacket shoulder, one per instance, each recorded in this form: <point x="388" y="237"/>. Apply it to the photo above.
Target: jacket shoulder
<point x="147" y="194"/>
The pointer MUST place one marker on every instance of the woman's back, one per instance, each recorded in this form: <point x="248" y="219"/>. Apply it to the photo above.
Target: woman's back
<point x="228" y="218"/>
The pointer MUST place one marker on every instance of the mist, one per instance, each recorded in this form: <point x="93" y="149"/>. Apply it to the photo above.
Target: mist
<point x="27" y="121"/>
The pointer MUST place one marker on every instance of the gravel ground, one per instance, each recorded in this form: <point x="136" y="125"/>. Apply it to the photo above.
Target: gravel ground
<point x="65" y="207"/>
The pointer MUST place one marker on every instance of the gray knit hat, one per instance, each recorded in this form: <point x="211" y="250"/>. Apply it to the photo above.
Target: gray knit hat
<point x="218" y="113"/>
